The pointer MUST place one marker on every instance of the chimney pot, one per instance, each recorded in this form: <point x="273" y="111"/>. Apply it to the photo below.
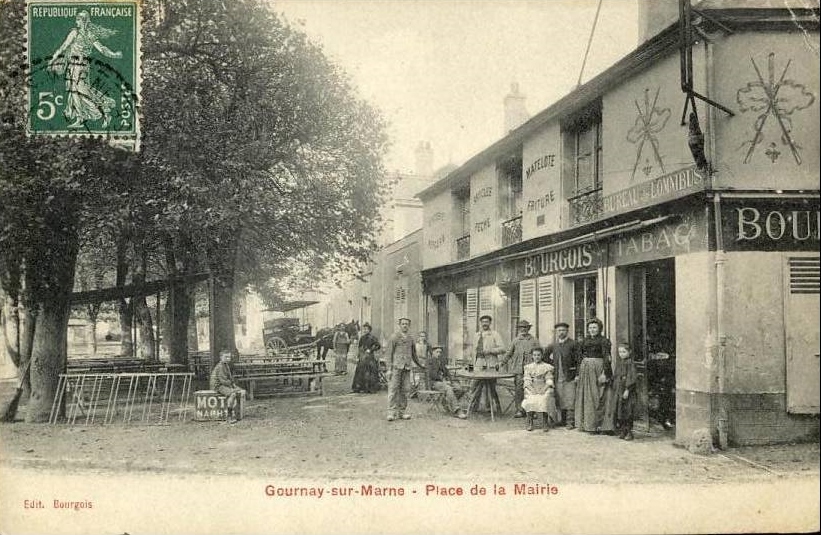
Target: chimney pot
<point x="515" y="110"/>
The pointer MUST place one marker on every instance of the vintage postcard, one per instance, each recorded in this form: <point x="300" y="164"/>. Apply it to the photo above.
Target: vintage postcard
<point x="409" y="266"/>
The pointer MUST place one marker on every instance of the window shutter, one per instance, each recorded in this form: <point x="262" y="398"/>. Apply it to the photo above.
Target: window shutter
<point x="801" y="303"/>
<point x="527" y="300"/>
<point x="546" y="309"/>
<point x="471" y="305"/>
<point x="400" y="299"/>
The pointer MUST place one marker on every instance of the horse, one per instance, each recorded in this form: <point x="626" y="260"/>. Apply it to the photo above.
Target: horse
<point x="325" y="337"/>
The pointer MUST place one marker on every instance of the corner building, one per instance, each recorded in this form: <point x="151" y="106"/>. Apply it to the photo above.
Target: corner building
<point x="597" y="207"/>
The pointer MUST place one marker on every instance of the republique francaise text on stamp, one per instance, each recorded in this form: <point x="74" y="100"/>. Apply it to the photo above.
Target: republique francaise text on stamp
<point x="83" y="61"/>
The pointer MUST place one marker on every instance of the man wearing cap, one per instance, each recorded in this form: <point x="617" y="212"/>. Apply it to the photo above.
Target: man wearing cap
<point x="222" y="381"/>
<point x="400" y="362"/>
<point x="438" y="377"/>
<point x="514" y="362"/>
<point x="488" y="345"/>
<point x="564" y="355"/>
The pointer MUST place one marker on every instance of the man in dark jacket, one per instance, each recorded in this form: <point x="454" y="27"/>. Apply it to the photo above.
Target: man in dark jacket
<point x="515" y="359"/>
<point x="438" y="378"/>
<point x="222" y="381"/>
<point x="563" y="354"/>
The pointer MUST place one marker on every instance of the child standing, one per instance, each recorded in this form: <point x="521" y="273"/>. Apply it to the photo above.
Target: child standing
<point x="624" y="388"/>
<point x="539" y="392"/>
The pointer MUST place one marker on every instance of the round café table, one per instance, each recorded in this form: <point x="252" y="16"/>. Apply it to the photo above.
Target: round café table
<point x="487" y="383"/>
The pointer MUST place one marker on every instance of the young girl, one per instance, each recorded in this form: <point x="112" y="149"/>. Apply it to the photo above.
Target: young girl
<point x="539" y="393"/>
<point x="624" y="388"/>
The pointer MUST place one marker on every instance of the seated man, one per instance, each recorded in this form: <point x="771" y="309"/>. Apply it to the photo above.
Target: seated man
<point x="222" y="382"/>
<point x="438" y="377"/>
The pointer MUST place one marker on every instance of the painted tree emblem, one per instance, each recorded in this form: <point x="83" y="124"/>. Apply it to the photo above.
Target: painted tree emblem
<point x="650" y="121"/>
<point x="779" y="99"/>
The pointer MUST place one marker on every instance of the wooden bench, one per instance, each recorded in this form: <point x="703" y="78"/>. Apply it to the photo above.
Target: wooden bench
<point x="280" y="378"/>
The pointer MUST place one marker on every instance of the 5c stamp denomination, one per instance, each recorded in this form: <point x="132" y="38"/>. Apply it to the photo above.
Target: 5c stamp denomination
<point x="83" y="61"/>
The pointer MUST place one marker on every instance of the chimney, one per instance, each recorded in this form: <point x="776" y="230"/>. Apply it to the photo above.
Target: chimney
<point x="515" y="111"/>
<point x="424" y="159"/>
<point x="655" y="15"/>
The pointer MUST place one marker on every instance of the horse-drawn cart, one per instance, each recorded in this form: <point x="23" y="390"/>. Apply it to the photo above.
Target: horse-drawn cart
<point x="280" y="334"/>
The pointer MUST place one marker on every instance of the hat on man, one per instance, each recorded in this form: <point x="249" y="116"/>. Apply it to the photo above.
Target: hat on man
<point x="485" y="317"/>
<point x="434" y="348"/>
<point x="561" y="324"/>
<point x="523" y="323"/>
<point x="406" y="319"/>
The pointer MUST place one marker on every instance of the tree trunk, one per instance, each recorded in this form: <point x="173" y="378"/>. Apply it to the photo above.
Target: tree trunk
<point x="124" y="309"/>
<point x="126" y="315"/>
<point x="222" y="315"/>
<point x="179" y="310"/>
<point x="48" y="358"/>
<point x="11" y="328"/>
<point x="193" y="336"/>
<point x="93" y="313"/>
<point x="221" y="261"/>
<point x="52" y="269"/>
<point x="147" y="347"/>
<point x="178" y="307"/>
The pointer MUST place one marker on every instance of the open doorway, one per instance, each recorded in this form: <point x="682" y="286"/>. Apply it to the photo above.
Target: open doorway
<point x="652" y="331"/>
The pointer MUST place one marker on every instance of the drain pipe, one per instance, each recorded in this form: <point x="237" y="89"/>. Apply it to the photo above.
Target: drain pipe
<point x="720" y="260"/>
<point x="720" y="255"/>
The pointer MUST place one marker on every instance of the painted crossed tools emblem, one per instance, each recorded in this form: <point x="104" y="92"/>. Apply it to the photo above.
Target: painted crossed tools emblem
<point x="779" y="99"/>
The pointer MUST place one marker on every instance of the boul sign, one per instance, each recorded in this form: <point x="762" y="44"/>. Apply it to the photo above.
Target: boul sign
<point x="772" y="225"/>
<point x="777" y="224"/>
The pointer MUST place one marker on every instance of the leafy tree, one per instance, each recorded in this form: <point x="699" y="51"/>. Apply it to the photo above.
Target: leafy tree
<point x="269" y="156"/>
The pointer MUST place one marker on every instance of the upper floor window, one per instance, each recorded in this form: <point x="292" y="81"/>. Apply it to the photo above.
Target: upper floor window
<point x="582" y="138"/>
<point x="509" y="172"/>
<point x="462" y="207"/>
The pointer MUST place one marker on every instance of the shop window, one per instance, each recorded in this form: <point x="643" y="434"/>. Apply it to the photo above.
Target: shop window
<point x="584" y="304"/>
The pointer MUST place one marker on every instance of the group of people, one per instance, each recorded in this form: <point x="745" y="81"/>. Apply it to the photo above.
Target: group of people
<point x="573" y="383"/>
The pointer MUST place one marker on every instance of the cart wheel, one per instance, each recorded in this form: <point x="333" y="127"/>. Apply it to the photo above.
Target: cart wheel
<point x="276" y="346"/>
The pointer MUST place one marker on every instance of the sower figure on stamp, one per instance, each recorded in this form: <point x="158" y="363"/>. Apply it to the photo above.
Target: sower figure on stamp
<point x="222" y="381"/>
<point x="563" y="354"/>
<point x="515" y="359"/>
<point x="489" y="346"/>
<point x="84" y="101"/>
<point x="400" y="349"/>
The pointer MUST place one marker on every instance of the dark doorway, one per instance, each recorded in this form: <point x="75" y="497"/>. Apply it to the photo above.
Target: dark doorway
<point x="652" y="294"/>
<point x="441" y="303"/>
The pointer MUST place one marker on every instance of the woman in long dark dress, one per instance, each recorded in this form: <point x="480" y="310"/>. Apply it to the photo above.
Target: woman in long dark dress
<point x="366" y="375"/>
<point x="594" y="406"/>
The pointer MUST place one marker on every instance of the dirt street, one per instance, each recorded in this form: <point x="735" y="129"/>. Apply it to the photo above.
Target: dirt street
<point x="343" y="436"/>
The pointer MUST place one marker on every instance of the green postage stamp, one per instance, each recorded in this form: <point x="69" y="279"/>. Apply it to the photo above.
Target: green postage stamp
<point x="84" y="68"/>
